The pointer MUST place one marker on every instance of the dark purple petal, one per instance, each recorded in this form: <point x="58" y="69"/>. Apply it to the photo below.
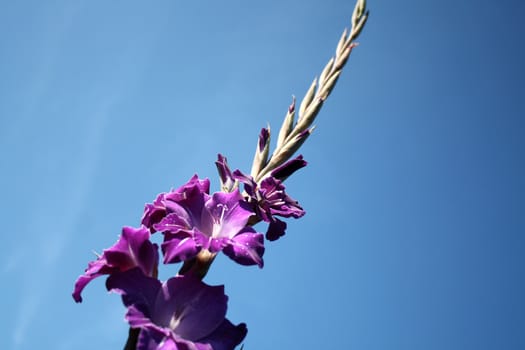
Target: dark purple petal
<point x="154" y="212"/>
<point x="183" y="305"/>
<point x="190" y="308"/>
<point x="249" y="183"/>
<point x="269" y="197"/>
<point x="174" y="343"/>
<point x="191" y="198"/>
<point x="247" y="248"/>
<point x="276" y="201"/>
<point x="169" y="344"/>
<point x="152" y="340"/>
<point x="275" y="230"/>
<point x="225" y="174"/>
<point x="133" y="249"/>
<point x="146" y="341"/>
<point x="264" y="138"/>
<point x="226" y="336"/>
<point x="151" y="333"/>
<point x="136" y="288"/>
<point x="180" y="248"/>
<point x="183" y="313"/>
<point x="285" y="170"/>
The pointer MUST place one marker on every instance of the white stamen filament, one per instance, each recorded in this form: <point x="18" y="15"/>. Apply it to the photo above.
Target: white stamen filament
<point x="217" y="224"/>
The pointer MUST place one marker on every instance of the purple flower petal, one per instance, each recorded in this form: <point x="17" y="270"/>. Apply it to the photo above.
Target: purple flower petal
<point x="247" y="248"/>
<point x="191" y="308"/>
<point x="229" y="213"/>
<point x="225" y="174"/>
<point x="249" y="183"/>
<point x="95" y="269"/>
<point x="193" y="220"/>
<point x="182" y="313"/>
<point x="146" y="342"/>
<point x="178" y="248"/>
<point x="133" y="249"/>
<point x="217" y="244"/>
<point x="277" y="202"/>
<point x="227" y="336"/>
<point x="275" y="230"/>
<point x="269" y="198"/>
<point x="264" y="138"/>
<point x="136" y="289"/>
<point x="173" y="223"/>
<point x="154" y="212"/>
<point x="191" y="198"/>
<point x="283" y="171"/>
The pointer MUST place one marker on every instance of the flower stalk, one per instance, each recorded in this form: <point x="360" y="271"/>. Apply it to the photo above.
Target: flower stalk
<point x="292" y="134"/>
<point x="196" y="225"/>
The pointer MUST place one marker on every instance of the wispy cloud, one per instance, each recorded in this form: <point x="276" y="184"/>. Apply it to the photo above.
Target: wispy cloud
<point x="60" y="200"/>
<point x="26" y="313"/>
<point x="49" y="247"/>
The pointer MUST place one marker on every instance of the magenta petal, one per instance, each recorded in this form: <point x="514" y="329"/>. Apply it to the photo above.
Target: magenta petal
<point x="173" y="223"/>
<point x="154" y="212"/>
<point x="202" y="184"/>
<point x="217" y="244"/>
<point x="230" y="211"/>
<point x="190" y="197"/>
<point x="180" y="249"/>
<point x="246" y="248"/>
<point x="131" y="250"/>
<point x="194" y="220"/>
<point x="95" y="269"/>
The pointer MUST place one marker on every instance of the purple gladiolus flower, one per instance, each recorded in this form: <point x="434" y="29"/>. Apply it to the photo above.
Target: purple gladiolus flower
<point x="270" y="200"/>
<point x="192" y="220"/>
<point x="182" y="313"/>
<point x="156" y="211"/>
<point x="133" y="249"/>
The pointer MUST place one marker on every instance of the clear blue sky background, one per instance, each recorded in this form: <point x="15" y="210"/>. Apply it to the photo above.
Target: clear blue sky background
<point x="414" y="236"/>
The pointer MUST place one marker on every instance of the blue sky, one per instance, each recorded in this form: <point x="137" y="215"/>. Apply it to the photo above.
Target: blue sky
<point x="414" y="236"/>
